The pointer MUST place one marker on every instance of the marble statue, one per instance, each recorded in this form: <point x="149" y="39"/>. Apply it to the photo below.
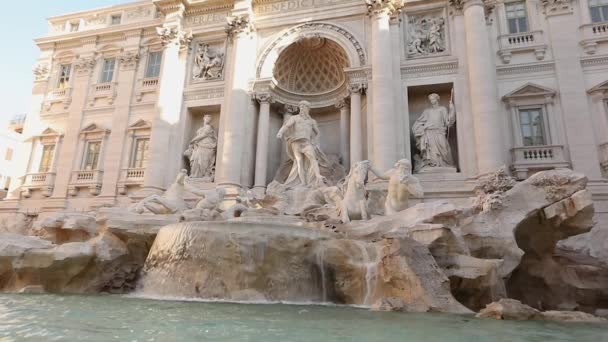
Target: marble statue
<point x="209" y="63"/>
<point x="426" y="35"/>
<point x="431" y="131"/>
<point x="202" y="150"/>
<point x="354" y="205"/>
<point x="401" y="185"/>
<point x="301" y="135"/>
<point x="170" y="202"/>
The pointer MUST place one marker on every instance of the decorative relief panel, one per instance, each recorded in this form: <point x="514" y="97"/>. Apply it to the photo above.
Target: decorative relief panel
<point x="426" y="34"/>
<point x="209" y="62"/>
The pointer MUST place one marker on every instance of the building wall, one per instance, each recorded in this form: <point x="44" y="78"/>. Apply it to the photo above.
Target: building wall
<point x="560" y="65"/>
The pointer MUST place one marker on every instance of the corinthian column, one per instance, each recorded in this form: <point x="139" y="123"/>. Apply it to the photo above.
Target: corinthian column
<point x="237" y="100"/>
<point x="344" y="132"/>
<point x="356" y="140"/>
<point x="482" y="84"/>
<point x="383" y="104"/>
<point x="164" y="157"/>
<point x="261" y="153"/>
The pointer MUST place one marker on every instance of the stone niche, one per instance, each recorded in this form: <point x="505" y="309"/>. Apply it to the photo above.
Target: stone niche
<point x="418" y="101"/>
<point x="328" y="120"/>
<point x="194" y="122"/>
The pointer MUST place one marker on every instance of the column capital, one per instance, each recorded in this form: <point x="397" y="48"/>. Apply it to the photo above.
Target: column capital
<point x="174" y="36"/>
<point x="381" y="7"/>
<point x="342" y="104"/>
<point x="42" y="72"/>
<point x="460" y="5"/>
<point x="239" y="24"/>
<point x="264" y="98"/>
<point x="356" y="88"/>
<point x="128" y="60"/>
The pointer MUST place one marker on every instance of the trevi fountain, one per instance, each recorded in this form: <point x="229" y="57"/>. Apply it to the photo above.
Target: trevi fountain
<point x="338" y="243"/>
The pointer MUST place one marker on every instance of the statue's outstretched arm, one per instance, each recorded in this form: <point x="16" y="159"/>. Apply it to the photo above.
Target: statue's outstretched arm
<point x="382" y="175"/>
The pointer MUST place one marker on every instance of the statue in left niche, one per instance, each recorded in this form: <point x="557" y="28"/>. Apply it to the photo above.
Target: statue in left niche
<point x="209" y="63"/>
<point x="170" y="202"/>
<point x="202" y="150"/>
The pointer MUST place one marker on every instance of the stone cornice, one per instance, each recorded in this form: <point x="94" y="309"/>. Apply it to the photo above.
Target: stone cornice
<point x="410" y="71"/>
<point x="525" y="68"/>
<point x="209" y="6"/>
<point x="110" y="9"/>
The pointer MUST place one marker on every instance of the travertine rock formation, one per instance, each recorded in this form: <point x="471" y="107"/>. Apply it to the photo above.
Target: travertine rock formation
<point x="511" y="309"/>
<point x="285" y="262"/>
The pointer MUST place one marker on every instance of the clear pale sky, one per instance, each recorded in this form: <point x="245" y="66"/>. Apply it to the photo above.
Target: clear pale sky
<point x="22" y="22"/>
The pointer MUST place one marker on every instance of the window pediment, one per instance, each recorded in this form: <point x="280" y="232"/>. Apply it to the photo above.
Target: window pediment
<point x="527" y="91"/>
<point x="94" y="131"/>
<point x="602" y="87"/>
<point x="140" y="125"/>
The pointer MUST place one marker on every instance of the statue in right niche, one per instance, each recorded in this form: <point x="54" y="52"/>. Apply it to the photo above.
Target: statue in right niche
<point x="431" y="131"/>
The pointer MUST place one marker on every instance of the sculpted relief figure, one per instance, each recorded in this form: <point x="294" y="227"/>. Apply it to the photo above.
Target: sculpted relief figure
<point x="301" y="135"/>
<point x="202" y="150"/>
<point x="170" y="202"/>
<point x="426" y="35"/>
<point x="431" y="134"/>
<point x="209" y="64"/>
<point x="401" y="185"/>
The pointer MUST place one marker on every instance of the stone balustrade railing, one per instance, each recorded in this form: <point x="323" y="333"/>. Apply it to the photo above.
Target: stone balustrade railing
<point x="59" y="95"/>
<point x="43" y="181"/>
<point x="529" y="159"/>
<point x="147" y="85"/>
<point x="592" y="34"/>
<point x="130" y="177"/>
<point x="521" y="42"/>
<point x="103" y="90"/>
<point x="85" y="179"/>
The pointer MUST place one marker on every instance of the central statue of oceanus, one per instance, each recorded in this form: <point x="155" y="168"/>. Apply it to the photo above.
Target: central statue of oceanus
<point x="301" y="135"/>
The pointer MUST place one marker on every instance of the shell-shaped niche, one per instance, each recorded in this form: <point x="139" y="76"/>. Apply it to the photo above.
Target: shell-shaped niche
<point x="311" y="66"/>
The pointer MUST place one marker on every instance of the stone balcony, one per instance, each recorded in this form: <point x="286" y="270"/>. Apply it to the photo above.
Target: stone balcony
<point x="130" y="177"/>
<point x="146" y="86"/>
<point x="90" y="179"/>
<point x="530" y="159"/>
<point x="43" y="181"/>
<point x="101" y="91"/>
<point x="59" y="95"/>
<point x="522" y="42"/>
<point x="604" y="157"/>
<point x="592" y="35"/>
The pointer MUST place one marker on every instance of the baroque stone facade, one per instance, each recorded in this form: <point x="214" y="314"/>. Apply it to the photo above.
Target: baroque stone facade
<point x="121" y="92"/>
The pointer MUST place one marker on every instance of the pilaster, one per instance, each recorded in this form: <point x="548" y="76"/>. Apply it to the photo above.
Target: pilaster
<point x="125" y="79"/>
<point x="572" y="94"/>
<point x="67" y="156"/>
<point x="237" y="99"/>
<point x="164" y="154"/>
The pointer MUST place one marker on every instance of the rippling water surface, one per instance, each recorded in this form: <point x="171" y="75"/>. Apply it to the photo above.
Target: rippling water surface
<point x="107" y="318"/>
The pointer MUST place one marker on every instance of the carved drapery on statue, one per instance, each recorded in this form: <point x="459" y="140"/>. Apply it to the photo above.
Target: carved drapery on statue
<point x="431" y="131"/>
<point x="307" y="165"/>
<point x="202" y="151"/>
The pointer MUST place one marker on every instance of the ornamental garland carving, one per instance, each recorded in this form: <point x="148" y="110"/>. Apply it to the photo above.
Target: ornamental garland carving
<point x="209" y="62"/>
<point x="84" y="65"/>
<point x="173" y="35"/>
<point x="556" y="7"/>
<point x="426" y="35"/>
<point x="129" y="60"/>
<point x="139" y="12"/>
<point x="41" y="72"/>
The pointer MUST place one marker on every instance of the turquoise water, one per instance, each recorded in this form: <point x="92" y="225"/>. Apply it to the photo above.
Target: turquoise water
<point x="116" y="318"/>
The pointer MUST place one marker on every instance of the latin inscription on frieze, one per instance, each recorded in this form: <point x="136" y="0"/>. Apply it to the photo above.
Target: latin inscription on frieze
<point x="208" y="18"/>
<point x="294" y="5"/>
